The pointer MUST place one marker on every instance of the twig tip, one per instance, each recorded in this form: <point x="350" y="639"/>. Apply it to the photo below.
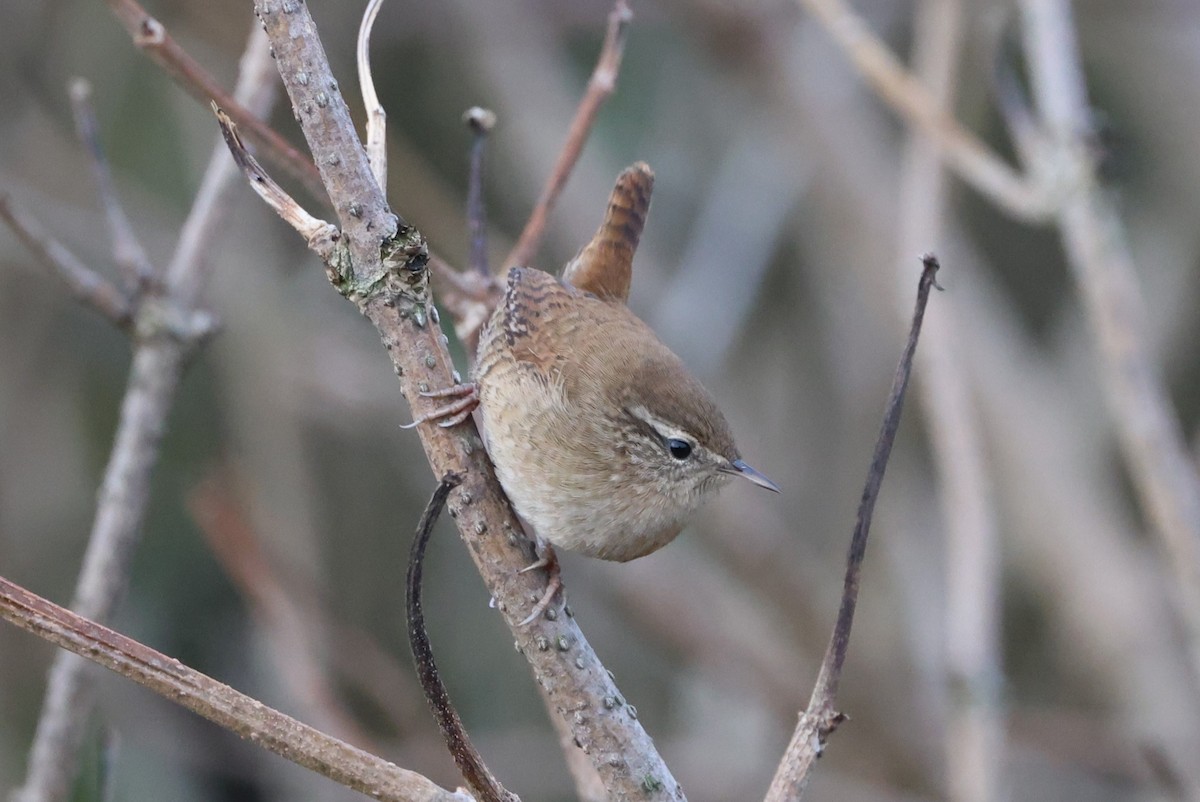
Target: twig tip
<point x="931" y="268"/>
<point x="479" y="119"/>
<point x="79" y="89"/>
<point x="622" y="12"/>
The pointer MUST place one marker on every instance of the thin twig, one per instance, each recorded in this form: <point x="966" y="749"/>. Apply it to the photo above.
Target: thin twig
<point x="320" y="235"/>
<point x="1165" y="476"/>
<point x="87" y="286"/>
<point x="468" y="297"/>
<point x="470" y="763"/>
<point x="600" y="86"/>
<point x="168" y="329"/>
<point x="974" y="733"/>
<point x="127" y="250"/>
<point x="820" y="719"/>
<point x="969" y="157"/>
<point x="480" y="121"/>
<point x="152" y="38"/>
<point x="383" y="270"/>
<point x="217" y="702"/>
<point x="376" y="116"/>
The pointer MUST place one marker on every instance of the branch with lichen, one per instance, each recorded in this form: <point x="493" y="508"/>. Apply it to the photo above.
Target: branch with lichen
<point x="380" y="263"/>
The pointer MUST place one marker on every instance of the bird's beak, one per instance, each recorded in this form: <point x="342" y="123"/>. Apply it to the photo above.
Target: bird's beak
<point x="742" y="469"/>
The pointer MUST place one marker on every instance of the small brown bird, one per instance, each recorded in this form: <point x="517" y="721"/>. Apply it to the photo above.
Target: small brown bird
<point x="602" y="439"/>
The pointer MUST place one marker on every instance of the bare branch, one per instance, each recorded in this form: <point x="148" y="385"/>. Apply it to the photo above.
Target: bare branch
<point x="127" y="250"/>
<point x="601" y="85"/>
<point x="385" y="274"/>
<point x="376" y="116"/>
<point x="217" y="702"/>
<point x="820" y="719"/>
<point x="168" y="328"/>
<point x="963" y="152"/>
<point x="481" y="122"/>
<point x="152" y="38"/>
<point x="367" y="224"/>
<point x="319" y="235"/>
<point x="1149" y="431"/>
<point x="89" y="288"/>
<point x="470" y="763"/>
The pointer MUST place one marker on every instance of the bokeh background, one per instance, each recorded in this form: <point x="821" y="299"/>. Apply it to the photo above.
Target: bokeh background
<point x="776" y="261"/>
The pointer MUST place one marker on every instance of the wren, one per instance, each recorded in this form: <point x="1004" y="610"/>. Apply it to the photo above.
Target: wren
<point x="602" y="439"/>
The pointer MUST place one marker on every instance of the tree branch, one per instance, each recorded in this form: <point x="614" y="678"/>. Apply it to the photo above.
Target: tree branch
<point x="1151" y="437"/>
<point x="86" y="285"/>
<point x="127" y="251"/>
<point x="217" y="702"/>
<point x="963" y="152"/>
<point x="820" y="719"/>
<point x="167" y="329"/>
<point x="383" y="270"/>
<point x="600" y="86"/>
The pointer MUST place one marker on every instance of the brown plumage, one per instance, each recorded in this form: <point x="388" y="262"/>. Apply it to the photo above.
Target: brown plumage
<point x="602" y="439"/>
<point x="605" y="265"/>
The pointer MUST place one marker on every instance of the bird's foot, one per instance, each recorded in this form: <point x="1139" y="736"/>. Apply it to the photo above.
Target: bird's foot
<point x="546" y="558"/>
<point x="465" y="399"/>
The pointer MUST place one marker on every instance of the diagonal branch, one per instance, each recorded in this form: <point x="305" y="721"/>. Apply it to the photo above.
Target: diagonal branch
<point x="155" y="41"/>
<point x="367" y="224"/>
<point x="319" y="235"/>
<point x="963" y="152"/>
<point x="217" y="702"/>
<point x="820" y="719"/>
<point x="89" y="287"/>
<point x="128" y="252"/>
<point x="600" y="86"/>
<point x="383" y="270"/>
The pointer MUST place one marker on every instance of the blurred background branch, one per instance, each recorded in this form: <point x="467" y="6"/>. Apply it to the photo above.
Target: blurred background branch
<point x="166" y="329"/>
<point x="241" y="714"/>
<point x="972" y="675"/>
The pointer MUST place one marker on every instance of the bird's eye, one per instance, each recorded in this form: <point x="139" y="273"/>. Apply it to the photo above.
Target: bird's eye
<point x="680" y="449"/>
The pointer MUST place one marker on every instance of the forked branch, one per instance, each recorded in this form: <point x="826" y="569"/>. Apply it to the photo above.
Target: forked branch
<point x="972" y="160"/>
<point x="381" y="264"/>
<point x="86" y="285"/>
